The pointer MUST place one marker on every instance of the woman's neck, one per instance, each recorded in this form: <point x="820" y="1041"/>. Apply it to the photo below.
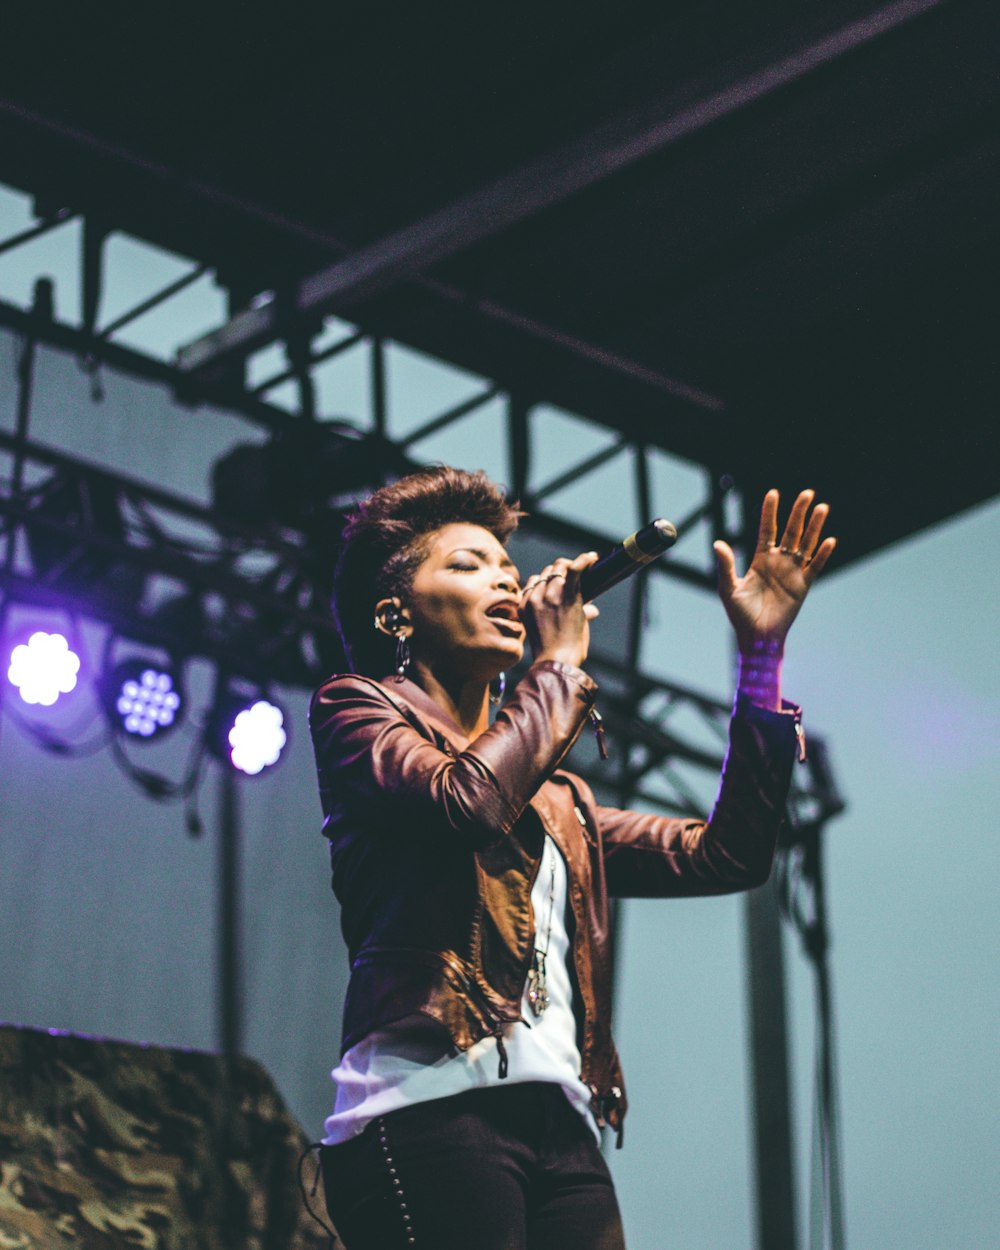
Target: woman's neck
<point x="465" y="699"/>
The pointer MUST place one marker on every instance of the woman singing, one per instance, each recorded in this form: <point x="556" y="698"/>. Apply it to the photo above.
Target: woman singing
<point x="473" y="873"/>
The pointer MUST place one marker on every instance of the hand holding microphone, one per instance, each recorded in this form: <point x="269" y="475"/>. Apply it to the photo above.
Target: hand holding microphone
<point x="557" y="602"/>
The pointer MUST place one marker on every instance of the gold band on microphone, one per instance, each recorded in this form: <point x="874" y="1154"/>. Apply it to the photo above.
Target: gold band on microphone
<point x="634" y="551"/>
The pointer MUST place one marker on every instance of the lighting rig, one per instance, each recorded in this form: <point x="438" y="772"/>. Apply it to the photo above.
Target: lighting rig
<point x="86" y="545"/>
<point x="82" y="542"/>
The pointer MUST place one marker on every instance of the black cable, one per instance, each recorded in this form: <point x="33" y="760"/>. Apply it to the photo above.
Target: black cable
<point x="334" y="1239"/>
<point x="159" y="787"/>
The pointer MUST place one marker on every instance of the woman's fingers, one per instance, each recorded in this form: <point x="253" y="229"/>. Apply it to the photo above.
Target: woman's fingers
<point x="538" y="579"/>
<point x="540" y="587"/>
<point x="801" y="540"/>
<point x="792" y="537"/>
<point x="825" y="551"/>
<point x="768" y="533"/>
<point x="727" y="566"/>
<point x="810" y="538"/>
<point x="802" y="537"/>
<point x="573" y="570"/>
<point x="559" y="581"/>
<point x="556" y="618"/>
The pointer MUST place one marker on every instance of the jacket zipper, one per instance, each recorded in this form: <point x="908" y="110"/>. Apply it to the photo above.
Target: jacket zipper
<point x="492" y="1015"/>
<point x="468" y="985"/>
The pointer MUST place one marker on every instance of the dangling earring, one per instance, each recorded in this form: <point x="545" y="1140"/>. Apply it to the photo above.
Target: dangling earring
<point x="497" y="689"/>
<point x="402" y="656"/>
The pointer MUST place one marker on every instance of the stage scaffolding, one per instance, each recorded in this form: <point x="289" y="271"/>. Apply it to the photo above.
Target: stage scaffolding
<point x="256" y="595"/>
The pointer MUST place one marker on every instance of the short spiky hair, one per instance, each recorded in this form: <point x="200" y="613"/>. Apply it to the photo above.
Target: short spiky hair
<point x="382" y="548"/>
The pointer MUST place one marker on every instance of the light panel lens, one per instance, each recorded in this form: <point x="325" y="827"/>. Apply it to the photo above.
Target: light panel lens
<point x="257" y="737"/>
<point x="43" y="668"/>
<point x="148" y="703"/>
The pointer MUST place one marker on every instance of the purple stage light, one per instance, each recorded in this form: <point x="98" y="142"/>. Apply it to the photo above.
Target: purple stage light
<point x="147" y="703"/>
<point x="142" y="698"/>
<point x="43" y="668"/>
<point x="257" y="737"/>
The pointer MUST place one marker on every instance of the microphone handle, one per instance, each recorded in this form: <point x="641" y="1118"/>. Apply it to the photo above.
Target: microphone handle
<point x="634" y="553"/>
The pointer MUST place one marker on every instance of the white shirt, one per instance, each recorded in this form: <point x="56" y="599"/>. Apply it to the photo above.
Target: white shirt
<point x="411" y="1061"/>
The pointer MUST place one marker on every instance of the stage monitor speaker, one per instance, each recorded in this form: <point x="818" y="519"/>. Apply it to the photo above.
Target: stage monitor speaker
<point x="106" y="1145"/>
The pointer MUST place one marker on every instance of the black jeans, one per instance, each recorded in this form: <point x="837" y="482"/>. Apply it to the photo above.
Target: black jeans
<point x="505" y="1168"/>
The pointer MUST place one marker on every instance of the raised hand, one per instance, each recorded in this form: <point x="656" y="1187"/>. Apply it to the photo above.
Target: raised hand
<point x="763" y="602"/>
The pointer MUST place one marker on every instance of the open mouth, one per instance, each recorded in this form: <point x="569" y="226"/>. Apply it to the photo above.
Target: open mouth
<point x="505" y="613"/>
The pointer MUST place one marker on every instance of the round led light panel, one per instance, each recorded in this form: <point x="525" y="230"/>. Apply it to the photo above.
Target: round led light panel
<point x="148" y="703"/>
<point x="257" y="737"/>
<point x="43" y="668"/>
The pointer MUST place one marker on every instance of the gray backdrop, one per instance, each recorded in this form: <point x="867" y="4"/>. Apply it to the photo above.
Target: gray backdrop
<point x="107" y="923"/>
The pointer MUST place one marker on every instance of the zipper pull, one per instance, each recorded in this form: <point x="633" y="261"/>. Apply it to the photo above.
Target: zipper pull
<point x="597" y="1106"/>
<point x="597" y="721"/>
<point x="584" y="827"/>
<point x="502" y="1052"/>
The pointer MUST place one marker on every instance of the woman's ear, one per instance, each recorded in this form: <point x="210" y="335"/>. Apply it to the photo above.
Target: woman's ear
<point x="392" y="618"/>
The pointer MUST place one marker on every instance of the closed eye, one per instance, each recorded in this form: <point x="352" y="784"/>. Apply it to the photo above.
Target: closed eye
<point x="465" y="565"/>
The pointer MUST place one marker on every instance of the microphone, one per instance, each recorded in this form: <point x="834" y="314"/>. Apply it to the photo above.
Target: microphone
<point x="632" y="554"/>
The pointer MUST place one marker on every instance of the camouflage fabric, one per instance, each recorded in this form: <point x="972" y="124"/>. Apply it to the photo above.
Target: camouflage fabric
<point x="108" y="1144"/>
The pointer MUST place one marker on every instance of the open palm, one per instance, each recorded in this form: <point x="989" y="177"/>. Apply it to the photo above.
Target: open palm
<point x="763" y="602"/>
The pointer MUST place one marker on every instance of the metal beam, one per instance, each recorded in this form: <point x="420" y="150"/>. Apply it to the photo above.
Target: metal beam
<point x="541" y="184"/>
<point x="248" y="402"/>
<point x="34" y="232"/>
<point x="167" y="181"/>
<point x="773" y="1156"/>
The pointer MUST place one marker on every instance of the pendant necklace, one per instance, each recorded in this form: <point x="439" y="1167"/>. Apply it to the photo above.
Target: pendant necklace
<point x="538" y="994"/>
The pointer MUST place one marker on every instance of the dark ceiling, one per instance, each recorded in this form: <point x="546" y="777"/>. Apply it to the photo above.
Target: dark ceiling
<point x="795" y="284"/>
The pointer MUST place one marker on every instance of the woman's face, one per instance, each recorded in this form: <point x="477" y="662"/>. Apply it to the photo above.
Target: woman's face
<point x="464" y="604"/>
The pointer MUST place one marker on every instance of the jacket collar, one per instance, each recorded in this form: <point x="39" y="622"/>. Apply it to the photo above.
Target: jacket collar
<point x="421" y="702"/>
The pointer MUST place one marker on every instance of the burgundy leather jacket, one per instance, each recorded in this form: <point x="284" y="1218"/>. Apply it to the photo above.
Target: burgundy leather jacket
<point x="435" y="844"/>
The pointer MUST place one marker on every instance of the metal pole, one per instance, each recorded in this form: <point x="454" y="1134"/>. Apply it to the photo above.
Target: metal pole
<point x="771" y="1093"/>
<point x="378" y="387"/>
<point x="224" y="1189"/>
<point x="228" y="935"/>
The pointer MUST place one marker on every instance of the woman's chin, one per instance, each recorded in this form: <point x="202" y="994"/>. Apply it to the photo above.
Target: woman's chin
<point x="513" y="652"/>
<point x="499" y="658"/>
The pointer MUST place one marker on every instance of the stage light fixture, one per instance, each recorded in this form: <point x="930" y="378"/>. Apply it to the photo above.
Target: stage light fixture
<point x="302" y="475"/>
<point x="247" y="730"/>
<point x="77" y="534"/>
<point x="43" y="668"/>
<point x="141" y="699"/>
<point x="257" y="737"/>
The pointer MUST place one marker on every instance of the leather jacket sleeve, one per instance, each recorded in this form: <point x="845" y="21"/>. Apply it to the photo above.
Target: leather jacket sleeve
<point x="372" y="757"/>
<point x="648" y="856"/>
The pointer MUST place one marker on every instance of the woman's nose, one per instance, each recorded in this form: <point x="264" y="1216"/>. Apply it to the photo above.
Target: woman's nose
<point x="507" y="581"/>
